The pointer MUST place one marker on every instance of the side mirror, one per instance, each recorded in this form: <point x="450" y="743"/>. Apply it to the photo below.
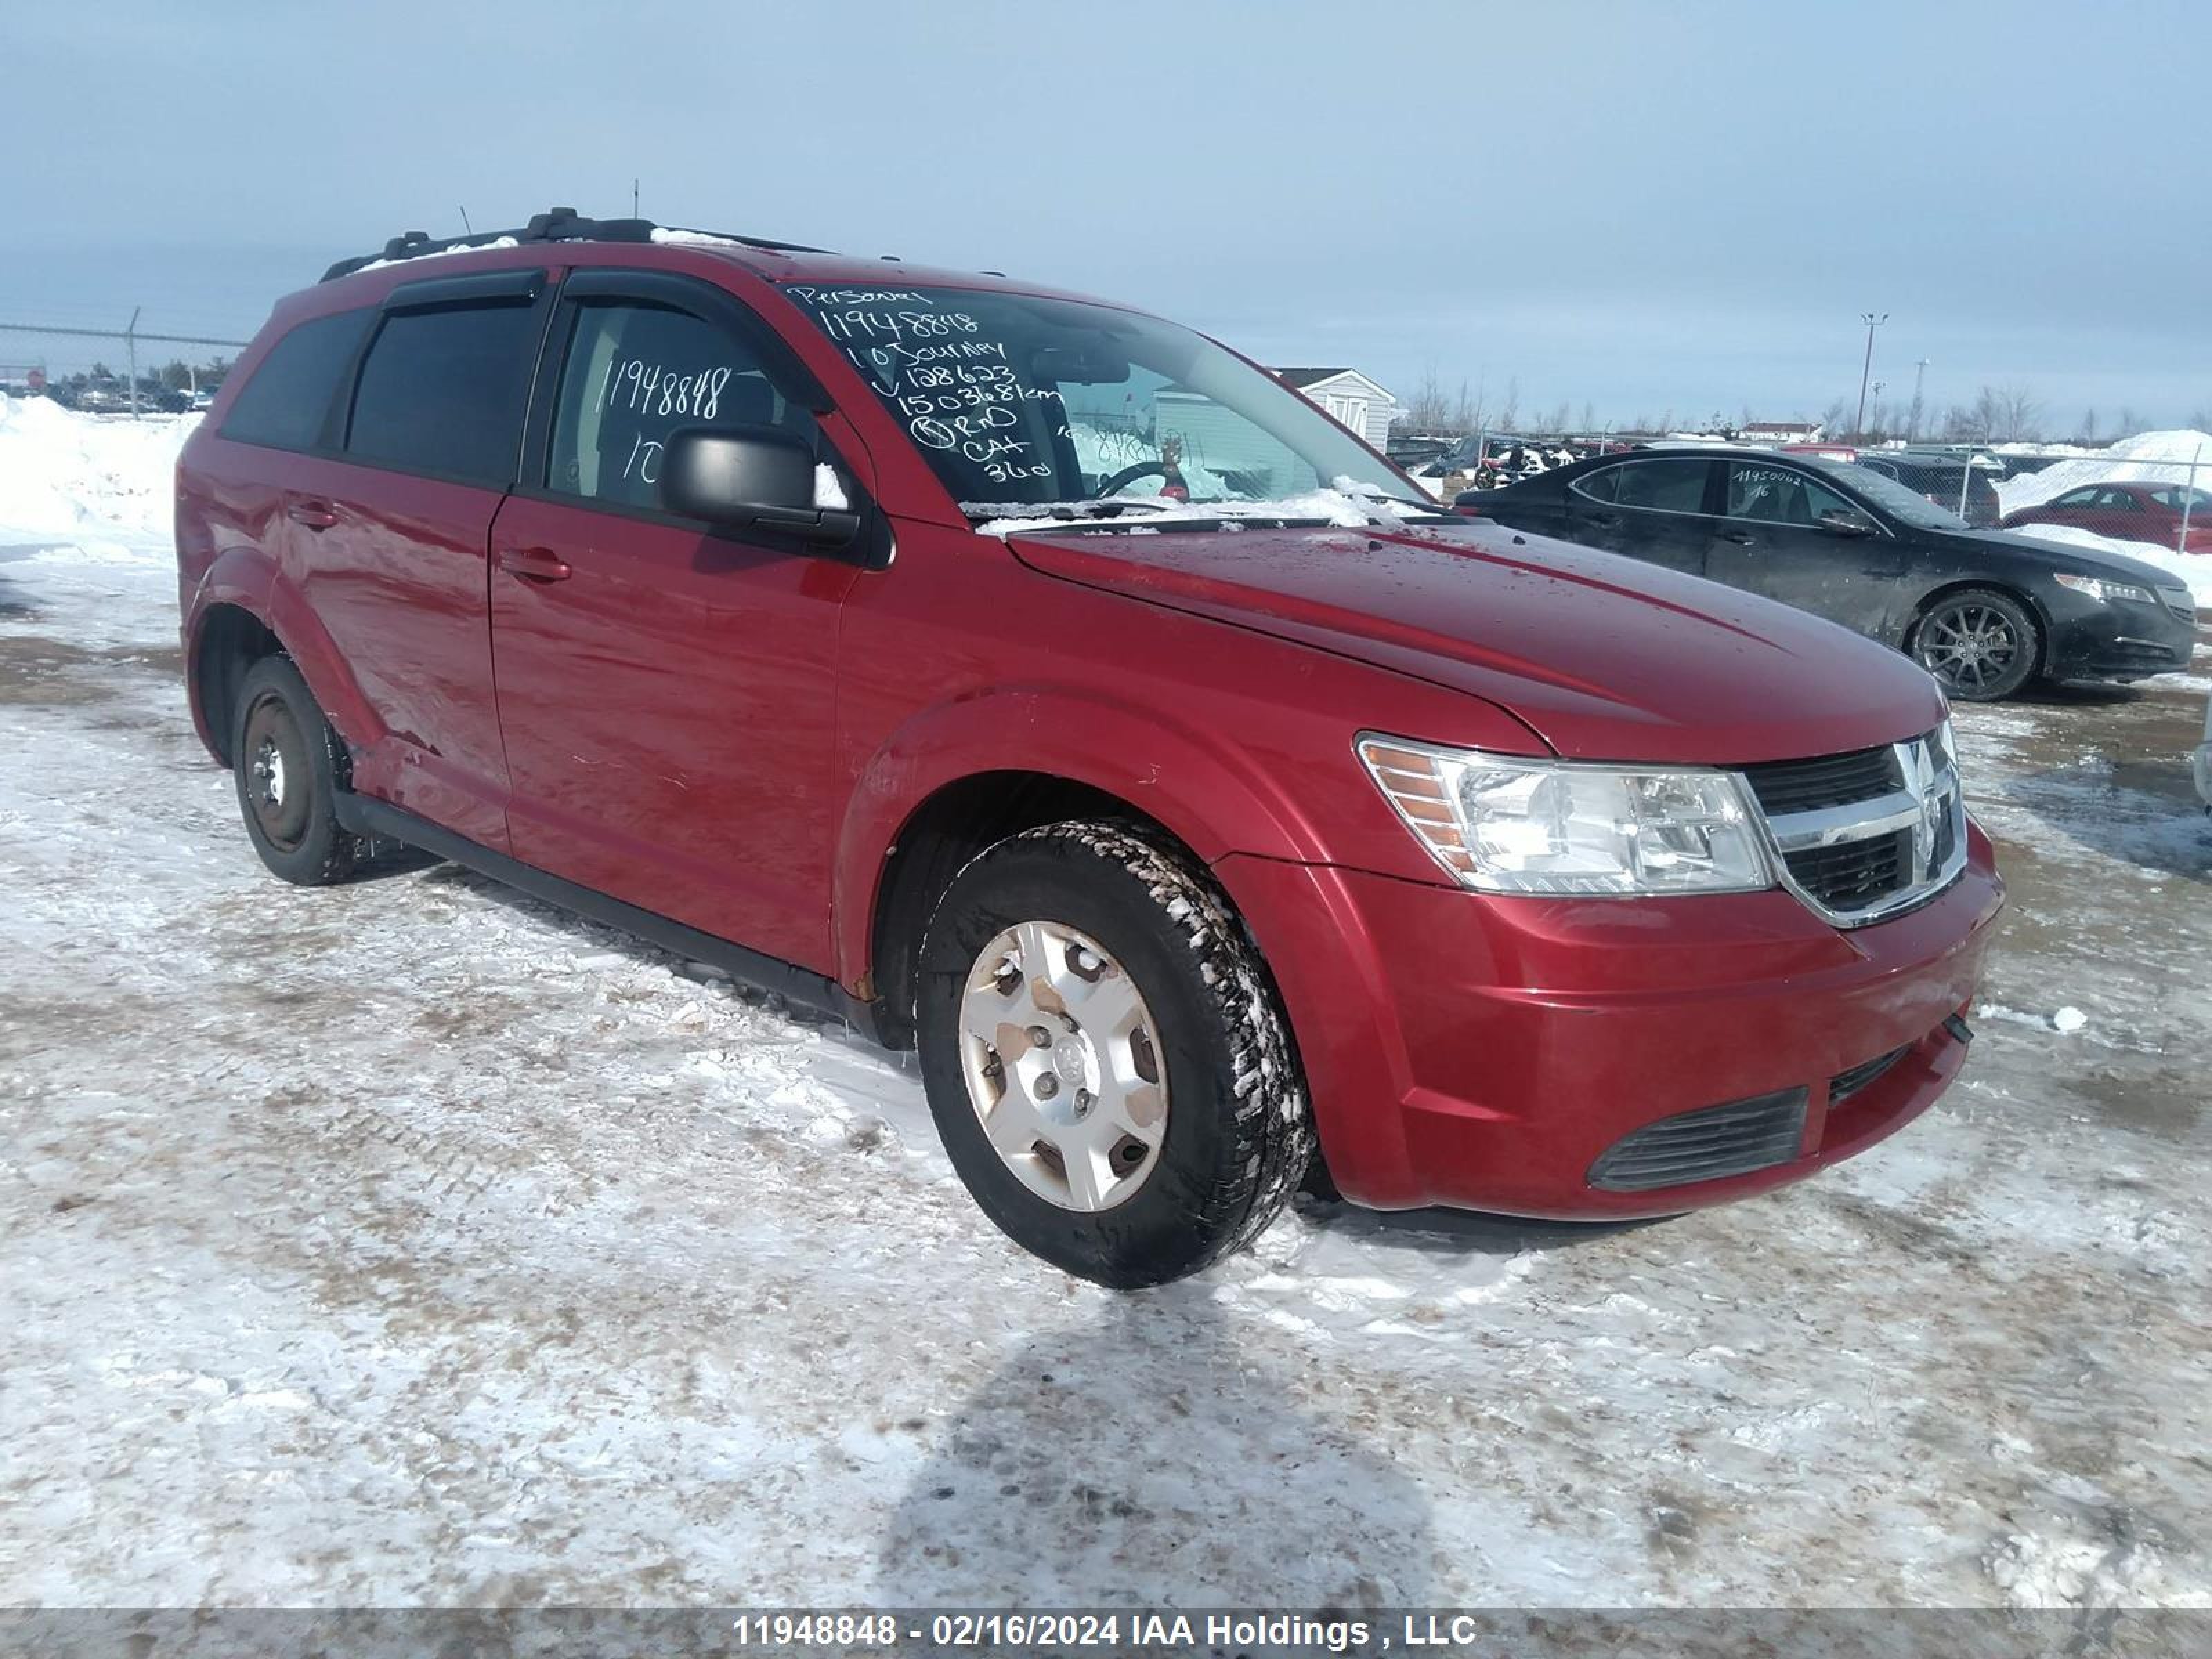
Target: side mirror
<point x="1846" y="522"/>
<point x="745" y="477"/>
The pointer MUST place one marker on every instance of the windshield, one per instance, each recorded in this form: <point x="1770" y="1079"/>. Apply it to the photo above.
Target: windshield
<point x="1019" y="402"/>
<point x="1908" y="505"/>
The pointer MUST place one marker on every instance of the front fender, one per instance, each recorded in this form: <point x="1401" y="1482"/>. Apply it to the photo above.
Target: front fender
<point x="1209" y="794"/>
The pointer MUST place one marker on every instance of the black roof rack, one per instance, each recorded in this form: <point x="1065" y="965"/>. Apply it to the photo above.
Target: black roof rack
<point x="558" y="225"/>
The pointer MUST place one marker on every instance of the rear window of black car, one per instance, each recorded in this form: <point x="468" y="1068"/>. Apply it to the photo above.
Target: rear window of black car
<point x="285" y="404"/>
<point x="441" y="392"/>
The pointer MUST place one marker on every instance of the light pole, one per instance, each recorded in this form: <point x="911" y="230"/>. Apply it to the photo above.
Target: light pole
<point x="1912" y="422"/>
<point x="1866" y="369"/>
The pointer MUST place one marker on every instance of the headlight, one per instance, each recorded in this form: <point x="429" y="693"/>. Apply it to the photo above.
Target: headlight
<point x="2098" y="588"/>
<point x="1504" y="824"/>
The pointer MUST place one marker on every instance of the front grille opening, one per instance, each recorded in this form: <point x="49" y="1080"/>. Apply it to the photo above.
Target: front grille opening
<point x="1846" y="1083"/>
<point x="1854" y="874"/>
<point x="1829" y="781"/>
<point x="1710" y="1143"/>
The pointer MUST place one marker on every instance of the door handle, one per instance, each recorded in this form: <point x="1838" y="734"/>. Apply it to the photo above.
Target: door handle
<point x="315" y="515"/>
<point x="1741" y="538"/>
<point x="535" y="564"/>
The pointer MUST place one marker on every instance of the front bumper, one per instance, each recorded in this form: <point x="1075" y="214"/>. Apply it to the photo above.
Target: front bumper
<point x="2121" y="641"/>
<point x="1487" y="1053"/>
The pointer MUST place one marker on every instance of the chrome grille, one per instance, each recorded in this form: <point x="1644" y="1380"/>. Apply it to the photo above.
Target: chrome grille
<point x="1863" y="835"/>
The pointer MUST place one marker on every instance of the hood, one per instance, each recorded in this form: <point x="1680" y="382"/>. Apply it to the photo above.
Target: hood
<point x="1603" y="657"/>
<point x="2056" y="552"/>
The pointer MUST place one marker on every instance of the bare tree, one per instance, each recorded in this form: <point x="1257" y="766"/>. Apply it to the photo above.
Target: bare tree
<point x="1557" y="421"/>
<point x="1509" y="412"/>
<point x="1425" y="411"/>
<point x="1467" y="414"/>
<point x="2088" y="426"/>
<point x="2019" y="415"/>
<point x="1833" y="419"/>
<point x="2129" y="425"/>
<point x="1589" y="415"/>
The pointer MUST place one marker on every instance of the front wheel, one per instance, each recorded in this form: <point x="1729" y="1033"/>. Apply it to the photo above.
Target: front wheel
<point x="1105" y="1057"/>
<point x="1980" y="645"/>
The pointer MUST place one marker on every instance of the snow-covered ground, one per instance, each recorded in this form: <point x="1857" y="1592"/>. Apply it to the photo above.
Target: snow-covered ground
<point x="411" y="1241"/>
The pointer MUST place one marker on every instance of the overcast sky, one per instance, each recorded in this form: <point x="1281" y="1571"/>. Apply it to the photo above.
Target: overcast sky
<point x="1642" y="207"/>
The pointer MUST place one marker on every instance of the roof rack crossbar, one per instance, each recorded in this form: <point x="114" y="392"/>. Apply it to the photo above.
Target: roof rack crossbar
<point x="559" y="224"/>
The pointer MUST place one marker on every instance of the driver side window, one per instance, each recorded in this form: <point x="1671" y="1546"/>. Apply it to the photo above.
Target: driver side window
<point x="637" y="372"/>
<point x="1779" y="495"/>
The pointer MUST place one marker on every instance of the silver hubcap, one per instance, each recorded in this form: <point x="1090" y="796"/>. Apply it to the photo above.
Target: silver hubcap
<point x="1968" y="648"/>
<point x="268" y="774"/>
<point x="1062" y="1066"/>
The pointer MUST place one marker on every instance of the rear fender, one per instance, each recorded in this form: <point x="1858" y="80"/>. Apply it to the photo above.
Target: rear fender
<point x="251" y="580"/>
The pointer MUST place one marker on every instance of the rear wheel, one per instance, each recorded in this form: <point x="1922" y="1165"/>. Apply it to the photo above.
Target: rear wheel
<point x="1980" y="645"/>
<point x="287" y="761"/>
<point x="1105" y="1057"/>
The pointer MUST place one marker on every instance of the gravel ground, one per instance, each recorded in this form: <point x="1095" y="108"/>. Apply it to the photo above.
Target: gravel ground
<point x="411" y="1243"/>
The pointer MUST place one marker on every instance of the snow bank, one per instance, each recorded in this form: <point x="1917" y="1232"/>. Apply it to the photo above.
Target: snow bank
<point x="2193" y="568"/>
<point x="2159" y="458"/>
<point x="64" y="473"/>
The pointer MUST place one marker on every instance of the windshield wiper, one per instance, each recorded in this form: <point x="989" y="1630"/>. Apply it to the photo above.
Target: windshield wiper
<point x="986" y="512"/>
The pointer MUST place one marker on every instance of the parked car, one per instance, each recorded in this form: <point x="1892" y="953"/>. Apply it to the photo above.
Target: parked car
<point x="2130" y="512"/>
<point x="1986" y="612"/>
<point x="1961" y="483"/>
<point x="791" y="610"/>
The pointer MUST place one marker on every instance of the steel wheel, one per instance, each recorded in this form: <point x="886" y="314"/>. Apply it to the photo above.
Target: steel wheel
<point x="277" y="782"/>
<point x="1062" y="1067"/>
<point x="1980" y="646"/>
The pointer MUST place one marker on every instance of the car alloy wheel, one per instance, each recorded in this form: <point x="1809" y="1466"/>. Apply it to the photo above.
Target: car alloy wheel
<point x="1057" y="1050"/>
<point x="1972" y="647"/>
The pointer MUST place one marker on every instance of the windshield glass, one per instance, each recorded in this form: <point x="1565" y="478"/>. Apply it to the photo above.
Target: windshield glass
<point x="1019" y="402"/>
<point x="1908" y="505"/>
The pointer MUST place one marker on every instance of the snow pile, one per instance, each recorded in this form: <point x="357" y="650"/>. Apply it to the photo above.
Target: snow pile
<point x="66" y="473"/>
<point x="2192" y="569"/>
<point x="2157" y="457"/>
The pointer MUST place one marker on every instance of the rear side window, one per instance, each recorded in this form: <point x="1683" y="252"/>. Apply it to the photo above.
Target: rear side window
<point x="285" y="404"/>
<point x="1671" y="485"/>
<point x="442" y="392"/>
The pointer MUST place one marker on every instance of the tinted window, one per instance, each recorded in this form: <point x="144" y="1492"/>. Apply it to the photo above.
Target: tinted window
<point x="442" y="392"/>
<point x="1675" y="485"/>
<point x="285" y="403"/>
<point x="636" y="373"/>
<point x="2076" y="498"/>
<point x="1778" y="494"/>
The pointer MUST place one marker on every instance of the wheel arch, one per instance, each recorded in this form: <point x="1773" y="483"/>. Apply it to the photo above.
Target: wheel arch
<point x="243" y="610"/>
<point x="1998" y="585"/>
<point x="966" y="776"/>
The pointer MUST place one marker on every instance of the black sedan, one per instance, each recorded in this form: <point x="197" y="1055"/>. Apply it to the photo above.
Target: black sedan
<point x="1985" y="611"/>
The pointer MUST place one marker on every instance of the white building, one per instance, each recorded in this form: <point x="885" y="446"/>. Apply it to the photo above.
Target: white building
<point x="1349" y="396"/>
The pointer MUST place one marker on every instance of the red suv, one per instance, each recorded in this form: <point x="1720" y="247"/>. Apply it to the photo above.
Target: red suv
<point x="1031" y="680"/>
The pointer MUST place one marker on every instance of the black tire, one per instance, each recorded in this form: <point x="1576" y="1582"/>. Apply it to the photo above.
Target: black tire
<point x="1238" y="1135"/>
<point x="287" y="762"/>
<point x="1980" y="644"/>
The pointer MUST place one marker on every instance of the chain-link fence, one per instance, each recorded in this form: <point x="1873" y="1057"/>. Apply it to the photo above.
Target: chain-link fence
<point x="66" y="363"/>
